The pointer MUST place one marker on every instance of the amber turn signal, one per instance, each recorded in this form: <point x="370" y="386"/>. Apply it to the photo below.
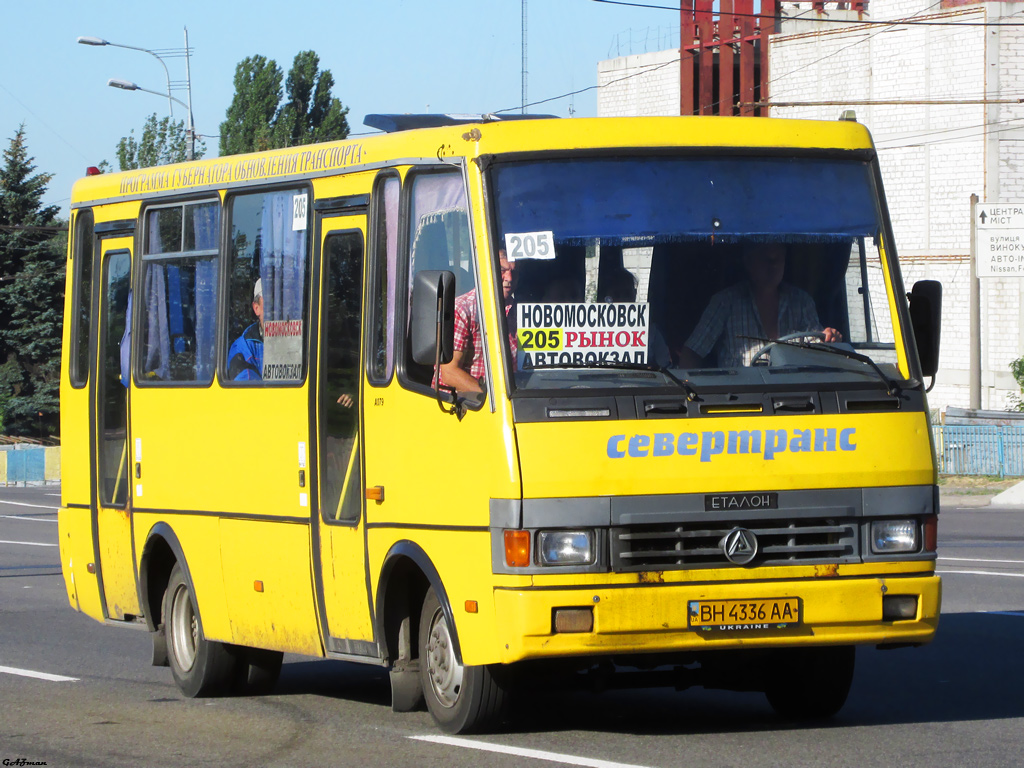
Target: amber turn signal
<point x="517" y="549"/>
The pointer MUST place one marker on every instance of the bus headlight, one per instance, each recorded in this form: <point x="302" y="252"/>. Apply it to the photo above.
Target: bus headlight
<point x="888" y="536"/>
<point x="565" y="547"/>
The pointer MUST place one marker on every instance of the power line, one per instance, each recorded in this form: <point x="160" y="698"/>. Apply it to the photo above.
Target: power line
<point x="645" y="71"/>
<point x="847" y="47"/>
<point x="864" y="22"/>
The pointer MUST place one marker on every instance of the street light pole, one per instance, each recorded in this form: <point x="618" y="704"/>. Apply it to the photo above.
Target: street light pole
<point x="188" y="83"/>
<point x="99" y="41"/>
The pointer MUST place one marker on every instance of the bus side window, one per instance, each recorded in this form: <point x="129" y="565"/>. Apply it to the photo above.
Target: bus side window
<point x="268" y="278"/>
<point x="179" y="293"/>
<point x="81" y="312"/>
<point x="381" y="347"/>
<point x="439" y="239"/>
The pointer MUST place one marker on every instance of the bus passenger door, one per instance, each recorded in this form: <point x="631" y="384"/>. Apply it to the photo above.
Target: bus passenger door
<point x="109" y="433"/>
<point x="340" y="547"/>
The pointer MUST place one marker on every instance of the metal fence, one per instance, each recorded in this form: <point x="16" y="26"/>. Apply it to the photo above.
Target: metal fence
<point x="979" y="450"/>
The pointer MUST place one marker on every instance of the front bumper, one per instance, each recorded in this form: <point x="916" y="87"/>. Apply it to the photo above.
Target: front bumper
<point x="653" y="617"/>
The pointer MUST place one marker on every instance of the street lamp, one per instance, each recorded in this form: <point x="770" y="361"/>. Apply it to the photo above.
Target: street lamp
<point x="128" y="85"/>
<point x="87" y="40"/>
<point x="159" y="55"/>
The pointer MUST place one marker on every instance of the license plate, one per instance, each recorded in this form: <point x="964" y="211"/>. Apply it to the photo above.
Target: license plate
<point x="744" y="615"/>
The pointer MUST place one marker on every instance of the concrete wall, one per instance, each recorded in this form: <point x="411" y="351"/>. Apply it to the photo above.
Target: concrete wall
<point x="643" y="84"/>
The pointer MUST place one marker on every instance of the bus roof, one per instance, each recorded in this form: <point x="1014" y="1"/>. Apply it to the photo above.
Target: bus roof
<point x="468" y="139"/>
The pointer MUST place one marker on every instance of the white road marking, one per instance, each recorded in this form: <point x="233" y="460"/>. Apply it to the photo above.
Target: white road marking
<point x="1006" y="613"/>
<point x="979" y="560"/>
<point x="38" y="675"/>
<point x="984" y="573"/>
<point x="29" y="519"/>
<point x="28" y="543"/>
<point x="535" y="754"/>
<point x="26" y="504"/>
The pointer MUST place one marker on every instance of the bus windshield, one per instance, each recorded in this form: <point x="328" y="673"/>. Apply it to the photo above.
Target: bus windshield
<point x="631" y="269"/>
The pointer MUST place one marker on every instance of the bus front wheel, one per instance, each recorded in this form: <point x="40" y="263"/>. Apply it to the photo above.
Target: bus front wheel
<point x="810" y="683"/>
<point x="460" y="698"/>
<point x="200" y="667"/>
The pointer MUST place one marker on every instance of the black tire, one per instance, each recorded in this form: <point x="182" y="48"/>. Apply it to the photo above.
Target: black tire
<point x="461" y="699"/>
<point x="200" y="667"/>
<point x="810" y="684"/>
<point x="257" y="671"/>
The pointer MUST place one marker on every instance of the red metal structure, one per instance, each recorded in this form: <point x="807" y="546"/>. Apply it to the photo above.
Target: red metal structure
<point x="724" y="66"/>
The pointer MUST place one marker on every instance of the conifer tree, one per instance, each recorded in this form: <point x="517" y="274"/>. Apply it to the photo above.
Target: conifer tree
<point x="32" y="247"/>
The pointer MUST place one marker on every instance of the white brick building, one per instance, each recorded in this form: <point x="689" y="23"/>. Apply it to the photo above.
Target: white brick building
<point x="933" y="156"/>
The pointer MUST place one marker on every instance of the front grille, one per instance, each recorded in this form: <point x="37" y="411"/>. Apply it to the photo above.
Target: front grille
<point x="697" y="544"/>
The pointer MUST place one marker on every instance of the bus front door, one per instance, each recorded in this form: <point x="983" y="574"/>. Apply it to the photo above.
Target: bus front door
<point x="340" y="547"/>
<point x="109" y="433"/>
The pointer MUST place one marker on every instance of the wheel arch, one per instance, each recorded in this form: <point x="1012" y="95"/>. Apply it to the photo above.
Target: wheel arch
<point x="159" y="555"/>
<point x="405" y="577"/>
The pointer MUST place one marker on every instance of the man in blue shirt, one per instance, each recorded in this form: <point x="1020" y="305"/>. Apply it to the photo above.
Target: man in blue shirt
<point x="245" y="355"/>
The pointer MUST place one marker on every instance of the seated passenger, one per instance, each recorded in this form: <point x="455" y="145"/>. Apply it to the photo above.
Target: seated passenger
<point x="245" y="355"/>
<point x="744" y="317"/>
<point x="466" y="369"/>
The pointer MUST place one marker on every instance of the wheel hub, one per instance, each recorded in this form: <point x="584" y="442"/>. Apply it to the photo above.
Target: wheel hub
<point x="443" y="669"/>
<point x="184" y="634"/>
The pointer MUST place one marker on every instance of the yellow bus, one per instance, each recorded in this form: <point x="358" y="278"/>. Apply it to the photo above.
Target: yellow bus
<point x="479" y="396"/>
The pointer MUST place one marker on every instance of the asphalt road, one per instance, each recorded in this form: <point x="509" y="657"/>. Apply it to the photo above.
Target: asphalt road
<point x="74" y="692"/>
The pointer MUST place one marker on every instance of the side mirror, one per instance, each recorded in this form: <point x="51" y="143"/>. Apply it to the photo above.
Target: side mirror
<point x="433" y="317"/>
<point x="926" y="319"/>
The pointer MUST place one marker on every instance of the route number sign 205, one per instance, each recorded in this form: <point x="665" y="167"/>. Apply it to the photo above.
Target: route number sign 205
<point x="530" y="245"/>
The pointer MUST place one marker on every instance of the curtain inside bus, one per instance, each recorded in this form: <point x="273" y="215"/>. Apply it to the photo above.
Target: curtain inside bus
<point x="181" y="294"/>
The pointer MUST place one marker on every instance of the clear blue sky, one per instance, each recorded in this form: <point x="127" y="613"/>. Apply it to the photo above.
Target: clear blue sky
<point x="385" y="55"/>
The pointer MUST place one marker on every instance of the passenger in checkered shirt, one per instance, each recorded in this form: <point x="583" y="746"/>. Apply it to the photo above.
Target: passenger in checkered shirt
<point x="741" y="319"/>
<point x="466" y="370"/>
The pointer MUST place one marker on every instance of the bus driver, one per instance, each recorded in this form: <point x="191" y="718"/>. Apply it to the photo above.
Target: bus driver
<point x="744" y="317"/>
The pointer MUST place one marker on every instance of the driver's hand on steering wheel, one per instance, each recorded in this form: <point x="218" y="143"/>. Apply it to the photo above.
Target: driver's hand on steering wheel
<point x="831" y="335"/>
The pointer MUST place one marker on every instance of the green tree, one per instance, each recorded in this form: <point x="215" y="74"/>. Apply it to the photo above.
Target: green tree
<point x="310" y="114"/>
<point x="32" y="246"/>
<point x="258" y="119"/>
<point x="162" y="141"/>
<point x="1017" y="369"/>
<point x="248" y="124"/>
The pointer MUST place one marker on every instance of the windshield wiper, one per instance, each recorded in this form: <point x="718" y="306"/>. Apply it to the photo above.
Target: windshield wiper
<point x="891" y="387"/>
<point x="691" y="394"/>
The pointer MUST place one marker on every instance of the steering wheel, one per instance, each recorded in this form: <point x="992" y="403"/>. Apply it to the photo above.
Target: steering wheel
<point x="787" y="337"/>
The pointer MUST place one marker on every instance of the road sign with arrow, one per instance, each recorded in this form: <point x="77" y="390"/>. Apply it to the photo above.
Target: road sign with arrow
<point x="1000" y="239"/>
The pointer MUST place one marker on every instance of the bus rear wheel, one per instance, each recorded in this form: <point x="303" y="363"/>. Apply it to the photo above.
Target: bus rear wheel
<point x="461" y="699"/>
<point x="810" y="683"/>
<point x="200" y="667"/>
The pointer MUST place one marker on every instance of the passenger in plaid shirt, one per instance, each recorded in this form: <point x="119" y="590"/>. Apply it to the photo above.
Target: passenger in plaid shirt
<point x="466" y="369"/>
<point x="741" y="319"/>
